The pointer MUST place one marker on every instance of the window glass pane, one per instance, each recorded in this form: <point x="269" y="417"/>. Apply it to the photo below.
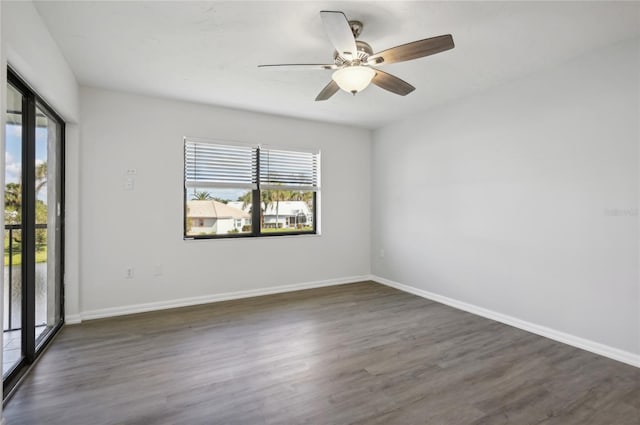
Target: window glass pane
<point x="286" y="211"/>
<point x="218" y="211"/>
<point x="47" y="290"/>
<point x="227" y="185"/>
<point x="12" y="320"/>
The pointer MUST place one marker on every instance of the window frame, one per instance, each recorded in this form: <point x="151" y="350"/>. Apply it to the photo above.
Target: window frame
<point x="256" y="231"/>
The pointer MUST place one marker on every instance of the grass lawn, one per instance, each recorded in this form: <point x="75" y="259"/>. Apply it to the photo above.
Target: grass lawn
<point x="16" y="248"/>
<point x="286" y="230"/>
<point x="41" y="257"/>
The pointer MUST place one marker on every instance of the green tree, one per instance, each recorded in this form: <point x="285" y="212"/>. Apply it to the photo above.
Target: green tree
<point x="279" y="196"/>
<point x="274" y="197"/>
<point x="299" y="195"/>
<point x="246" y="199"/>
<point x="13" y="203"/>
<point x="201" y="196"/>
<point x="13" y="198"/>
<point x="41" y="175"/>
<point x="265" y="202"/>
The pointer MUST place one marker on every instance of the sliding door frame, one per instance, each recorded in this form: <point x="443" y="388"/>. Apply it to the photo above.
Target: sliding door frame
<point x="30" y="351"/>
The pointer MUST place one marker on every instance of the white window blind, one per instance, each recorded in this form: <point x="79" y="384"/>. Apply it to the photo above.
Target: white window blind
<point x="289" y="170"/>
<point x="209" y="165"/>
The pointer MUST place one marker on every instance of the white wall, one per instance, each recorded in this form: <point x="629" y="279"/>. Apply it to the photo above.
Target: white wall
<point x="34" y="55"/>
<point x="32" y="52"/>
<point x="522" y="200"/>
<point x="123" y="131"/>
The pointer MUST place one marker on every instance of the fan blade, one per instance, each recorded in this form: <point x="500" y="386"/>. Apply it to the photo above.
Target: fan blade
<point x="392" y="83"/>
<point x="328" y="91"/>
<point x="299" y="66"/>
<point x="414" y="50"/>
<point x="339" y="31"/>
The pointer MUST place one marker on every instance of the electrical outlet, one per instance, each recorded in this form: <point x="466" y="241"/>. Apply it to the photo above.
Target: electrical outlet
<point x="157" y="270"/>
<point x="129" y="273"/>
<point x="382" y="253"/>
<point x="131" y="171"/>
<point x="129" y="183"/>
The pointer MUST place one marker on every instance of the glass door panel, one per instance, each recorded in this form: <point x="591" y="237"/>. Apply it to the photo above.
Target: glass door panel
<point x="13" y="351"/>
<point x="47" y="231"/>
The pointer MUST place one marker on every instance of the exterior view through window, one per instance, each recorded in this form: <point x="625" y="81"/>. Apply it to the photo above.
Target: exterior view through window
<point x="243" y="191"/>
<point x="33" y="220"/>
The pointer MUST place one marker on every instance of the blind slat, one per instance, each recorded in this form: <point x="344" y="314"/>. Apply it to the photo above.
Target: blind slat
<point x="289" y="170"/>
<point x="210" y="165"/>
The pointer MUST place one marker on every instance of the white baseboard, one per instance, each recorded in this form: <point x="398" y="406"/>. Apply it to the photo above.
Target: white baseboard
<point x="575" y="341"/>
<point x="206" y="299"/>
<point x="71" y="319"/>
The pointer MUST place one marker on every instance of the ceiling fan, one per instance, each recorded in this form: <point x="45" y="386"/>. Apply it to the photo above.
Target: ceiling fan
<point x="354" y="59"/>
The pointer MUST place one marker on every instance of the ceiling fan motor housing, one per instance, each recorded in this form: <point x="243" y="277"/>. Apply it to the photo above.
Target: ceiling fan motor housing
<point x="356" y="28"/>
<point x="364" y="51"/>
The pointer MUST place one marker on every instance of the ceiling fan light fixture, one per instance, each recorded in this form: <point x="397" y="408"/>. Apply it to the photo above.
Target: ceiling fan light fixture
<point x="353" y="79"/>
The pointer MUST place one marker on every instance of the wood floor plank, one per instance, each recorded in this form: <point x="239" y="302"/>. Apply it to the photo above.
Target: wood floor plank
<point x="351" y="354"/>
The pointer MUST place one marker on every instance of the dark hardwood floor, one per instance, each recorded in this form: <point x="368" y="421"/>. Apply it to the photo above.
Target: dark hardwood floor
<point x="352" y="354"/>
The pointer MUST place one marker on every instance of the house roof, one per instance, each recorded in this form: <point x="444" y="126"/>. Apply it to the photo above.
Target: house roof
<point x="213" y="209"/>
<point x="284" y="208"/>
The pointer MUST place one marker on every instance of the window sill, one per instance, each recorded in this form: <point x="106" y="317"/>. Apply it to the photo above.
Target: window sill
<point x="243" y="238"/>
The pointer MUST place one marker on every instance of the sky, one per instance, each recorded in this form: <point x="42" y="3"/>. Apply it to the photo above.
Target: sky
<point x="13" y="153"/>
<point x="227" y="194"/>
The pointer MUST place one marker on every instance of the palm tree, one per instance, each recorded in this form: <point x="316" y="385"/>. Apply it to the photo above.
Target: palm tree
<point x="308" y="198"/>
<point x="13" y="191"/>
<point x="277" y="196"/>
<point x="265" y="201"/>
<point x="201" y="196"/>
<point x="299" y="195"/>
<point x="41" y="175"/>
<point x="246" y="199"/>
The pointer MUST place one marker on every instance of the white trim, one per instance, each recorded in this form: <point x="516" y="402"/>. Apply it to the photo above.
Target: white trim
<point x="71" y="319"/>
<point x="206" y="299"/>
<point x="573" y="340"/>
<point x="219" y="142"/>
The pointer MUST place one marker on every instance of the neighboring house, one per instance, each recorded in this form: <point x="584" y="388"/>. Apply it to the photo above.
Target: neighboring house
<point x="287" y="214"/>
<point x="213" y="217"/>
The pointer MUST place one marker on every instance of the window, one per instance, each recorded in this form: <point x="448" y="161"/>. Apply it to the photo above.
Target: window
<point x="242" y="191"/>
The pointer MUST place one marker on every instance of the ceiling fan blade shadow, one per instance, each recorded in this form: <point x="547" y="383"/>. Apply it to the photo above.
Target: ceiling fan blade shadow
<point x="299" y="66"/>
<point x="338" y="29"/>
<point x="328" y="91"/>
<point x="413" y="50"/>
<point x="392" y="83"/>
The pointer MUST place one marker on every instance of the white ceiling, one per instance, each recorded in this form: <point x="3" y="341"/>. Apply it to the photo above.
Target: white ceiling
<point x="208" y="51"/>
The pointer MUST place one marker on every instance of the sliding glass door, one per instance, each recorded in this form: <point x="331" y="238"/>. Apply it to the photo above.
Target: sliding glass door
<point x="13" y="277"/>
<point x="33" y="227"/>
